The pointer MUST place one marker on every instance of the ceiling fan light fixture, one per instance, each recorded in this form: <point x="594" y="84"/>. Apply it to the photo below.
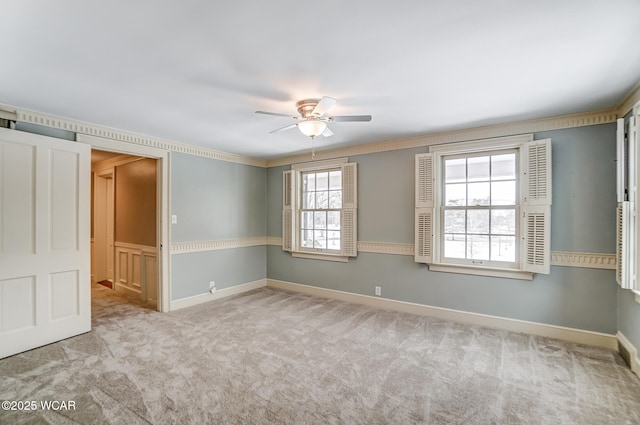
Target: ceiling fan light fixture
<point x="312" y="128"/>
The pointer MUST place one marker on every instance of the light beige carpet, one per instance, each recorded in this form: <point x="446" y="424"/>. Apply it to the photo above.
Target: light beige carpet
<point x="271" y="356"/>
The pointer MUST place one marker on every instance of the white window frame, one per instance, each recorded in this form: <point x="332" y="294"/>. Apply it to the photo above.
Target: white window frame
<point x="516" y="207"/>
<point x="292" y="209"/>
<point x="533" y="207"/>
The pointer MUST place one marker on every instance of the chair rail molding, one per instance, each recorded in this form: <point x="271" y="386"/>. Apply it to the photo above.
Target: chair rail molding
<point x="587" y="260"/>
<point x="200" y="246"/>
<point x="584" y="259"/>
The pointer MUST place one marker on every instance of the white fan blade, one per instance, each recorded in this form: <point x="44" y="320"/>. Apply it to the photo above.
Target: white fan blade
<point x="353" y="118"/>
<point x="327" y="132"/>
<point x="277" y="114"/>
<point x="323" y="106"/>
<point x="284" y="128"/>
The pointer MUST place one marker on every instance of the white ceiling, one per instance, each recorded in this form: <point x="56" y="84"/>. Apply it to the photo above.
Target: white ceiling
<point x="194" y="71"/>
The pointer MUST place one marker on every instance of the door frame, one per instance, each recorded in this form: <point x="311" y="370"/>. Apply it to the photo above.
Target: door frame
<point x="162" y="204"/>
<point x="104" y="200"/>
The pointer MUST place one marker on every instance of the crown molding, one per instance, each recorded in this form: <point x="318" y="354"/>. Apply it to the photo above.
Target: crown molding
<point x="498" y="130"/>
<point x="629" y="101"/>
<point x="82" y="127"/>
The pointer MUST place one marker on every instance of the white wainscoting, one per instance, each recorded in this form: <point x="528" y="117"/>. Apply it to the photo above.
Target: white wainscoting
<point x="136" y="271"/>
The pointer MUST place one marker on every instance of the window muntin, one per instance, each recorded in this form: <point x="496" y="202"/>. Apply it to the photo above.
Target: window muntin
<point x="320" y="215"/>
<point x="479" y="219"/>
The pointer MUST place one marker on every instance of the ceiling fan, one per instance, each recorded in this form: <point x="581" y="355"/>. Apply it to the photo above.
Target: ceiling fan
<point x="313" y="120"/>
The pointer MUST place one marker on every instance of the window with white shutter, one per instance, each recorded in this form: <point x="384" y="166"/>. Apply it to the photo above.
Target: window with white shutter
<point x="320" y="210"/>
<point x="626" y="213"/>
<point x="484" y="207"/>
<point x="424" y="208"/>
<point x="287" y="211"/>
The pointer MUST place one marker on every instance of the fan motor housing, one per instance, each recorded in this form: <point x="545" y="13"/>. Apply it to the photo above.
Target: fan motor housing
<point x="306" y="106"/>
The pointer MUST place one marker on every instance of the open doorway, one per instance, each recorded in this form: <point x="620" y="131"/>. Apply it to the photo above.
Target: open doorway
<point x="124" y="225"/>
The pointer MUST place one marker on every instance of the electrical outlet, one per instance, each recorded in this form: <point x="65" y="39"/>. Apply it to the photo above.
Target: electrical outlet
<point x="378" y="291"/>
<point x="174" y="219"/>
<point x="212" y="286"/>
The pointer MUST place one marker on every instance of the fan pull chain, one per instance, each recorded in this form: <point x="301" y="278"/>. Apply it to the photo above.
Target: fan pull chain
<point x="313" y="151"/>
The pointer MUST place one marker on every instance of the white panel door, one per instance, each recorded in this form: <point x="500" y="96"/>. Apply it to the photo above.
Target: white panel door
<point x="45" y="287"/>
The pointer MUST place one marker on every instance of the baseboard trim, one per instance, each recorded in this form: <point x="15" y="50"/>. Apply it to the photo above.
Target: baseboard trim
<point x="220" y="293"/>
<point x="551" y="331"/>
<point x="634" y="360"/>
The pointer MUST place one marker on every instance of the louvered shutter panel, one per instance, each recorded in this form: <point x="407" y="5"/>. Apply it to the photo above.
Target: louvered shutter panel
<point x="287" y="230"/>
<point x="620" y="162"/>
<point x="349" y="185"/>
<point x="625" y="232"/>
<point x="425" y="212"/>
<point x="633" y="243"/>
<point x="536" y="223"/>
<point x="424" y="180"/>
<point x="631" y="160"/>
<point x="537" y="172"/>
<point x="287" y="211"/>
<point x="349" y="225"/>
<point x="424" y="235"/>
<point x="349" y="215"/>
<point x="287" y="189"/>
<point x="619" y="243"/>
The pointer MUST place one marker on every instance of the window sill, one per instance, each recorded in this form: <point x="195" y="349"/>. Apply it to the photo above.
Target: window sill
<point x="482" y="271"/>
<point x="637" y="296"/>
<point x="325" y="257"/>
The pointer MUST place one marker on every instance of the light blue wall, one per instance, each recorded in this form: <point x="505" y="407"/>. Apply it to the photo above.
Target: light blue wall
<point x="583" y="214"/>
<point x="216" y="200"/>
<point x="583" y="220"/>
<point x="191" y="273"/>
<point x="576" y="298"/>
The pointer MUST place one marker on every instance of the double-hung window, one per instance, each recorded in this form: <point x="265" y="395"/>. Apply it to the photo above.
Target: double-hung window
<point x="484" y="207"/>
<point x="480" y="209"/>
<point x="319" y="215"/>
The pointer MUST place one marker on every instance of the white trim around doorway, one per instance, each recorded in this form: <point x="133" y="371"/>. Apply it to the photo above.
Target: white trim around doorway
<point x="164" y="288"/>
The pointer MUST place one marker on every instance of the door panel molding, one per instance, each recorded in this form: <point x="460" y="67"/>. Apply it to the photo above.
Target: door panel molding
<point x="45" y="293"/>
